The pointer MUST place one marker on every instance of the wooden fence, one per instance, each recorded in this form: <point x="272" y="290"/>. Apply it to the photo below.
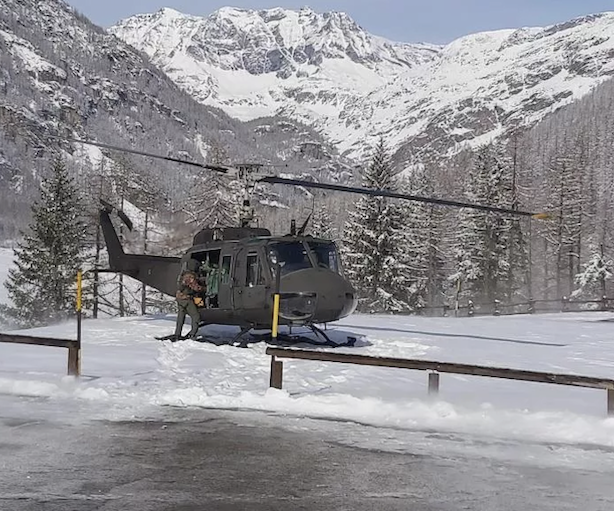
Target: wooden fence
<point x="438" y="367"/>
<point x="499" y="308"/>
<point x="73" y="346"/>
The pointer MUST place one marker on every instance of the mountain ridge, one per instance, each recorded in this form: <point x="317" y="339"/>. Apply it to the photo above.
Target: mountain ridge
<point x="353" y="86"/>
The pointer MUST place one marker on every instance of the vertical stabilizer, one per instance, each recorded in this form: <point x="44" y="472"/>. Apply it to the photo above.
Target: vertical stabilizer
<point x="114" y="246"/>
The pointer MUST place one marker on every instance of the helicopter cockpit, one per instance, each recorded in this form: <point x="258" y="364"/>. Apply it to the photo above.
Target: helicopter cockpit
<point x="299" y="255"/>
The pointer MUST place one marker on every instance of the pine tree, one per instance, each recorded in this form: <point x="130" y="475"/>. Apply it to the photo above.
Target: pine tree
<point x="321" y="223"/>
<point x="564" y="179"/>
<point x="422" y="239"/>
<point x="373" y="243"/>
<point x="215" y="200"/>
<point x="490" y="252"/>
<point x="42" y="286"/>
<point x="597" y="271"/>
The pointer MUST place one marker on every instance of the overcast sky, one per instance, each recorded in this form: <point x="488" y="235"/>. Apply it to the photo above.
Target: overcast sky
<point x="433" y="21"/>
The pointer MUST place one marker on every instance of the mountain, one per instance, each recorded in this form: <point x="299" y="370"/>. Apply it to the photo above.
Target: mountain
<point x="326" y="71"/>
<point x="61" y="75"/>
<point x="309" y="66"/>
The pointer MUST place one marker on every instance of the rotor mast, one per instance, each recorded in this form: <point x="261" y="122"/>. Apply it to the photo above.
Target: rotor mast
<point x="248" y="174"/>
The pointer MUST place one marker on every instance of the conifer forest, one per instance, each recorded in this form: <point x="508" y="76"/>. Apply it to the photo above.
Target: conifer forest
<point x="401" y="256"/>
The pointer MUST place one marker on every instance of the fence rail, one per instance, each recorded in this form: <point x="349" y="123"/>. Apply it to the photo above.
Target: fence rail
<point x="439" y="367"/>
<point x="499" y="308"/>
<point x="73" y="346"/>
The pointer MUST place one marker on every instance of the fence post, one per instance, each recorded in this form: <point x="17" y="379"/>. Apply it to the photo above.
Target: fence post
<point x="276" y="373"/>
<point x="470" y="308"/>
<point x="433" y="384"/>
<point x="531" y="306"/>
<point x="610" y="402"/>
<point x="565" y="301"/>
<point x="74" y="359"/>
<point x="604" y="303"/>
<point x="497" y="308"/>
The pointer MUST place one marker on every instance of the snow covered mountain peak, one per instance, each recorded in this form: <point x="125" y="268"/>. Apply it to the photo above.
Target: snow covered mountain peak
<point x="323" y="69"/>
<point x="270" y="40"/>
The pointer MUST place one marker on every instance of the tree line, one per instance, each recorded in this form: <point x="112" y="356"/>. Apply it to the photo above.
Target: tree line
<point x="401" y="256"/>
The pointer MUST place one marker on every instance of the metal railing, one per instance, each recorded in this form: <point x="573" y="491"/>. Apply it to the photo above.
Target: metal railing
<point x="436" y="368"/>
<point x="499" y="308"/>
<point x="73" y="346"/>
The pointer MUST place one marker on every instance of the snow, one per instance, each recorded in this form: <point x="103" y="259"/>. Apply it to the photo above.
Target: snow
<point x="32" y="61"/>
<point x="128" y="375"/>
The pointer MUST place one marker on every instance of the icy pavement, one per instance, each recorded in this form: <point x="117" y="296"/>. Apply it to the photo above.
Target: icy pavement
<point x="202" y="459"/>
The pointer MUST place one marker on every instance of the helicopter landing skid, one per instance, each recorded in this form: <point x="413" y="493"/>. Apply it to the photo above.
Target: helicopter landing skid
<point x="292" y="339"/>
<point x="282" y="339"/>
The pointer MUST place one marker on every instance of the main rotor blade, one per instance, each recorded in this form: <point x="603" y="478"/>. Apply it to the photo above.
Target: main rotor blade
<point x="216" y="168"/>
<point x="394" y="195"/>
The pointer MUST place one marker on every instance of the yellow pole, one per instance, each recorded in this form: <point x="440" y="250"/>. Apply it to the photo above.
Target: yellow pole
<point x="275" y="325"/>
<point x="79" y="306"/>
<point x="275" y="314"/>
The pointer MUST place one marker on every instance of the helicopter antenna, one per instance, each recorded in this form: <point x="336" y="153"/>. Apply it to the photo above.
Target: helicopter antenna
<point x="303" y="228"/>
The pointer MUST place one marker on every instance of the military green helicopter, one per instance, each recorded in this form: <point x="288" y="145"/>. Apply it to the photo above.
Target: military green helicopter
<point x="247" y="265"/>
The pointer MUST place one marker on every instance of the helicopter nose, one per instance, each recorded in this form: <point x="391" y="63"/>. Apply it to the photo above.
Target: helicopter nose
<point x="333" y="296"/>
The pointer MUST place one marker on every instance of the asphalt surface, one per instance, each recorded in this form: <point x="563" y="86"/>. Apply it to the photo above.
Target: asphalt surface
<point x="211" y="460"/>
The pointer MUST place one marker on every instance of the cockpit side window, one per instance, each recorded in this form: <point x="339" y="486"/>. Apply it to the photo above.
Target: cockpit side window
<point x="291" y="256"/>
<point x="326" y="255"/>
<point x="226" y="265"/>
<point x="254" y="274"/>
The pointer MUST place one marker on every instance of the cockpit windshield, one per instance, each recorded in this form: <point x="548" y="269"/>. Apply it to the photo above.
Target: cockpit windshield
<point x="326" y="255"/>
<point x="290" y="256"/>
<point x="293" y="255"/>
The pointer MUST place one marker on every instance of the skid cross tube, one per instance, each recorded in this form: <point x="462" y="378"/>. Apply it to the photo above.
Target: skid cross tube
<point x="435" y="368"/>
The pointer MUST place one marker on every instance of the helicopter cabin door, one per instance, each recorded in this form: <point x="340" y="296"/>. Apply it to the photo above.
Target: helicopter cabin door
<point x="249" y="291"/>
<point x="225" y="290"/>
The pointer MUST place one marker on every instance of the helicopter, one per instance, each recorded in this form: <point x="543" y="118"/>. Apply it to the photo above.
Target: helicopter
<point x="246" y="266"/>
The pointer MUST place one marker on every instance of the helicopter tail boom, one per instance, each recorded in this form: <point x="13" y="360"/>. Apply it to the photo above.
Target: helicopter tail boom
<point x="159" y="272"/>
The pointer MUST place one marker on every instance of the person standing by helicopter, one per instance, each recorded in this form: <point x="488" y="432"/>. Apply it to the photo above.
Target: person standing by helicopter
<point x="190" y="290"/>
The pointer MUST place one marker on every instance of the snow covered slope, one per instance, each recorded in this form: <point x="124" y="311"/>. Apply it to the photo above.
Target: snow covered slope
<point x="327" y="71"/>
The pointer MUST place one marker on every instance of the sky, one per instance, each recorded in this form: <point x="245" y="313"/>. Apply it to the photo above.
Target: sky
<point x="432" y="21"/>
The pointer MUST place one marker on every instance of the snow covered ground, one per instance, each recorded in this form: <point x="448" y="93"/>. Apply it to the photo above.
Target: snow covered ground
<point x="130" y="375"/>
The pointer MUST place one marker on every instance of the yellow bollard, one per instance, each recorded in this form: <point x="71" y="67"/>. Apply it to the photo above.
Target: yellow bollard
<point x="79" y="279"/>
<point x="275" y="315"/>
<point x="75" y="365"/>
<point x="275" y="325"/>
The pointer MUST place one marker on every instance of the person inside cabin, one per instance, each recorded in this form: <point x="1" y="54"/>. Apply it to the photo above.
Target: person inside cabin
<point x="210" y="273"/>
<point x="190" y="296"/>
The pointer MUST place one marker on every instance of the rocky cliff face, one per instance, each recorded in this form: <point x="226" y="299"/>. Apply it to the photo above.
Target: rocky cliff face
<point x="60" y="75"/>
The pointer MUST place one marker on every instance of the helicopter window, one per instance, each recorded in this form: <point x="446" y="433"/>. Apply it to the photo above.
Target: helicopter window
<point x="225" y="277"/>
<point x="290" y="256"/>
<point x="326" y="255"/>
<point x="254" y="272"/>
<point x="209" y="272"/>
